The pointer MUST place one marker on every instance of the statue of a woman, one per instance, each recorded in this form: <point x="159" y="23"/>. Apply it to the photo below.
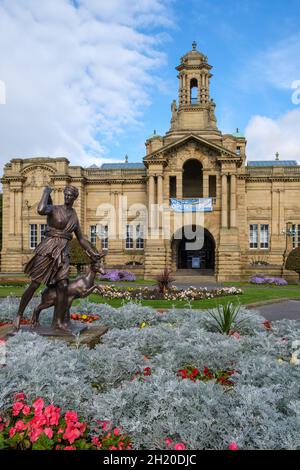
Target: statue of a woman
<point x="51" y="262"/>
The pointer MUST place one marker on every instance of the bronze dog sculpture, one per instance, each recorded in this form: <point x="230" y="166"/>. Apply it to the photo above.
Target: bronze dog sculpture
<point x="79" y="288"/>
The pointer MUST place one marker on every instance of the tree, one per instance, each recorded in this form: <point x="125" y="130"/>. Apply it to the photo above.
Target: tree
<point x="293" y="261"/>
<point x="78" y="256"/>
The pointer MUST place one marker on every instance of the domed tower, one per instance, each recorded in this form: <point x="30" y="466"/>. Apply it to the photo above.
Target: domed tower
<point x="196" y="110"/>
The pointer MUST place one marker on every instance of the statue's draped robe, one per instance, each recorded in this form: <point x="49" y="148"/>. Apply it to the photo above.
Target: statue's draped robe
<point x="51" y="261"/>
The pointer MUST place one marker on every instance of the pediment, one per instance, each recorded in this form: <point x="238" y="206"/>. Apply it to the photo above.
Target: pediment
<point x="211" y="147"/>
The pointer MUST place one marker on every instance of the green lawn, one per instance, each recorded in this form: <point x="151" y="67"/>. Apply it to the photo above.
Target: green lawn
<point x="251" y="295"/>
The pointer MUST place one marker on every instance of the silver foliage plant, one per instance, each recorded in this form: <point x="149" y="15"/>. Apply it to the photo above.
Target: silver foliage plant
<point x="262" y="410"/>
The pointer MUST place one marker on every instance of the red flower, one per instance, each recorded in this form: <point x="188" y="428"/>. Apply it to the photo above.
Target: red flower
<point x="20" y="396"/>
<point x="147" y="371"/>
<point x="205" y="370"/>
<point x="267" y="325"/>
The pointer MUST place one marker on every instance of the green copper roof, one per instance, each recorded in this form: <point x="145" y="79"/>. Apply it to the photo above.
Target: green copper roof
<point x="123" y="166"/>
<point x="263" y="163"/>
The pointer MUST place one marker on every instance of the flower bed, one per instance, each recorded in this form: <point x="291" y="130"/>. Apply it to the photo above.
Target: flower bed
<point x="131" y="379"/>
<point x="145" y="293"/>
<point x="36" y="426"/>
<point x="118" y="275"/>
<point x="276" y="281"/>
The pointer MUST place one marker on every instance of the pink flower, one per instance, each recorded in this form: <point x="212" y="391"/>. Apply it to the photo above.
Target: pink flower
<point x="19" y="396"/>
<point x="236" y="335"/>
<point x="38" y="421"/>
<point x="52" y="414"/>
<point x="179" y="446"/>
<point x="48" y="432"/>
<point x="35" y="434"/>
<point x="71" y="416"/>
<point x="38" y="405"/>
<point x="26" y="410"/>
<point x="168" y="441"/>
<point x="116" y="431"/>
<point x="233" y="446"/>
<point x="12" y="432"/>
<point x="104" y="425"/>
<point x="20" y="426"/>
<point x="70" y="448"/>
<point x="71" y="433"/>
<point x="95" y="441"/>
<point x="17" y="407"/>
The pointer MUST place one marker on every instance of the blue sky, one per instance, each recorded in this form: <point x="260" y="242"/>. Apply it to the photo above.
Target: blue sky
<point x="90" y="80"/>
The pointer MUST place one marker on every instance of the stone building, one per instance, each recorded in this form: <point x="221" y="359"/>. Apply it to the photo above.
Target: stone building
<point x="253" y="216"/>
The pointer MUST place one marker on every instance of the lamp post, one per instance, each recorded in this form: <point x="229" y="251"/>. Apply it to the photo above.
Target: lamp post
<point x="288" y="232"/>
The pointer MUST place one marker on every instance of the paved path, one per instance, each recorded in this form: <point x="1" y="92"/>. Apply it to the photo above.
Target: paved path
<point x="289" y="309"/>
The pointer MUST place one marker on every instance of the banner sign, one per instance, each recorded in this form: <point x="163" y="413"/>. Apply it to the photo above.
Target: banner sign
<point x="191" y="205"/>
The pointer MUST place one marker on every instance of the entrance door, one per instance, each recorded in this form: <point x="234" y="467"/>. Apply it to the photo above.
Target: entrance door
<point x="197" y="259"/>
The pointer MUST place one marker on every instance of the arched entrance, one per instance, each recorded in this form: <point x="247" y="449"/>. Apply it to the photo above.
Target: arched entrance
<point x="202" y="260"/>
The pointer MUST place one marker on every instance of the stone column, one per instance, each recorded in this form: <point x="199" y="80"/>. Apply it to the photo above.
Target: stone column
<point x="11" y="211"/>
<point x="233" y="201"/>
<point x="159" y="189"/>
<point x="224" y="221"/>
<point x="19" y="227"/>
<point x="179" y="185"/>
<point x="151" y="198"/>
<point x="205" y="184"/>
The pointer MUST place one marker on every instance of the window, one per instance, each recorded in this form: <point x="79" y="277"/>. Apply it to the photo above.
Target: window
<point x="259" y="239"/>
<point x="104" y="237"/>
<point x="43" y="228"/>
<point x="134" y="237"/>
<point x="33" y="240"/>
<point x="238" y="150"/>
<point x="129" y="236"/>
<point x="194" y="91"/>
<point x="212" y="186"/>
<point x="139" y="237"/>
<point x="93" y="234"/>
<point x="172" y="186"/>
<point x="253" y="240"/>
<point x="264" y="236"/>
<point x="296" y="235"/>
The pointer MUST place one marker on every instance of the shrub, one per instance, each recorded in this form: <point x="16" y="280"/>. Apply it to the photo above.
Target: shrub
<point x="293" y="261"/>
<point x="225" y="319"/>
<point x="78" y="256"/>
<point x="164" y="280"/>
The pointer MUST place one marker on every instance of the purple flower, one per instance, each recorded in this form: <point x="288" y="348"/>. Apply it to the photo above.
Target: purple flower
<point x="278" y="281"/>
<point x="118" y="275"/>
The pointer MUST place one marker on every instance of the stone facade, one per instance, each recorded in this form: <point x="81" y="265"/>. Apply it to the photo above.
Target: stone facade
<point x="252" y="204"/>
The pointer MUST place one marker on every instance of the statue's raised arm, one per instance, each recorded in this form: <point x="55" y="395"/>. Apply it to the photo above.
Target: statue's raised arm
<point x="45" y="204"/>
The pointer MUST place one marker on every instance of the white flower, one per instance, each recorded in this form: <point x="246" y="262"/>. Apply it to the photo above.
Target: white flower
<point x="296" y="343"/>
<point x="294" y="359"/>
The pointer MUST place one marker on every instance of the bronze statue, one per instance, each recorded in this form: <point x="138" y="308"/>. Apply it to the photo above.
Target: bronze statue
<point x="79" y="288"/>
<point x="51" y="261"/>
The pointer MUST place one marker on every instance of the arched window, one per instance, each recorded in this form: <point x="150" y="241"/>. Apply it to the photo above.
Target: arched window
<point x="192" y="179"/>
<point x="194" y="91"/>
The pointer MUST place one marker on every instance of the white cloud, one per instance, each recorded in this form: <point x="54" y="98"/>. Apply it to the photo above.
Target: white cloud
<point x="76" y="73"/>
<point x="267" y="136"/>
<point x="278" y="66"/>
